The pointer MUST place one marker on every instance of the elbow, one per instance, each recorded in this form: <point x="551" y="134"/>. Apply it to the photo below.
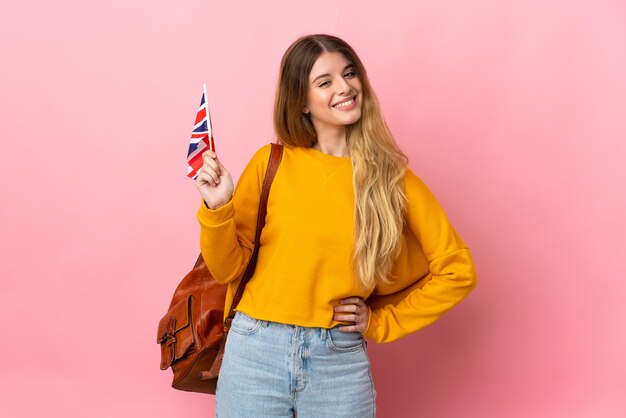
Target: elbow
<point x="471" y="280"/>
<point x="222" y="273"/>
<point x="219" y="275"/>
<point x="465" y="277"/>
<point x="467" y="271"/>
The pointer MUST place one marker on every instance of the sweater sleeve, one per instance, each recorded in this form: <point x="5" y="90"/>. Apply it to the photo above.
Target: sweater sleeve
<point x="227" y="233"/>
<point x="451" y="278"/>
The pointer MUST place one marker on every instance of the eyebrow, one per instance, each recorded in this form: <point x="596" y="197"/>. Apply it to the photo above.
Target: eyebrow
<point x="328" y="75"/>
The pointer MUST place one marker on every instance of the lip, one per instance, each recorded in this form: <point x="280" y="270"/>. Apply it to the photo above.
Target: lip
<point x="344" y="100"/>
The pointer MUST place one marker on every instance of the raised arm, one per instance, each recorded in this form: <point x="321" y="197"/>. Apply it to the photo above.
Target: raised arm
<point x="227" y="232"/>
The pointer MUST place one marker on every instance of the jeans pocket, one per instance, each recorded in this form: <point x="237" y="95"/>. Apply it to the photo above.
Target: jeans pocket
<point x="344" y="341"/>
<point x="244" y="324"/>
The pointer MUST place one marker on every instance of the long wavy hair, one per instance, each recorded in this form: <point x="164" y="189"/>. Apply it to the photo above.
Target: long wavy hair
<point x="378" y="164"/>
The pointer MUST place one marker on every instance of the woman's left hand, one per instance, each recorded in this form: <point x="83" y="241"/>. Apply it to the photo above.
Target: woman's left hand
<point x="355" y="310"/>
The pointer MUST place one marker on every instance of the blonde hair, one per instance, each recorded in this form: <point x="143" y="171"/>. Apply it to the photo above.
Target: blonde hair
<point x="378" y="164"/>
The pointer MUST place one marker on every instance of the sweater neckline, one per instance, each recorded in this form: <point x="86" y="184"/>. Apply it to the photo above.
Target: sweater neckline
<point x="322" y="156"/>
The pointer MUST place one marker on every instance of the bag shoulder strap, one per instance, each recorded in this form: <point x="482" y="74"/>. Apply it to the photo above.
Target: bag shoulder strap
<point x="276" y="155"/>
<point x="274" y="161"/>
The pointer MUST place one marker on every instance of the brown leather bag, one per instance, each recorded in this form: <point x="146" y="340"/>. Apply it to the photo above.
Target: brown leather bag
<point x="193" y="333"/>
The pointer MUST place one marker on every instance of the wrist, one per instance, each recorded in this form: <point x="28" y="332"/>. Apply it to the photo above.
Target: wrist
<point x="216" y="206"/>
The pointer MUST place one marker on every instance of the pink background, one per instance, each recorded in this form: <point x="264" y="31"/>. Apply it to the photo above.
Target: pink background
<point x="513" y="114"/>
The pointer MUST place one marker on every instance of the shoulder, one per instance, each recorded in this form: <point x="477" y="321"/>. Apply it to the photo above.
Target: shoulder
<point x="415" y="186"/>
<point x="262" y="154"/>
<point x="421" y="201"/>
<point x="260" y="158"/>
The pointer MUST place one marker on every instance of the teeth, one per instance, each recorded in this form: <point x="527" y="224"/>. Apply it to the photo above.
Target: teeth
<point x="344" y="104"/>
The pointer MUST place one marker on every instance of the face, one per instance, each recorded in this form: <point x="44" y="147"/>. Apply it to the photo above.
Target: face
<point x="335" y="93"/>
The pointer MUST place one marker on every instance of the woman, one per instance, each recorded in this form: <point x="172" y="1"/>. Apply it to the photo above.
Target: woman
<point x="346" y="221"/>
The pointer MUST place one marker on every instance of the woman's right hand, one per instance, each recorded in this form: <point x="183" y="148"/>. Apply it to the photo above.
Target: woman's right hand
<point x="214" y="182"/>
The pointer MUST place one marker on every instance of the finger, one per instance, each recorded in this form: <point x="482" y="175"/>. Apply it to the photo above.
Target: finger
<point x="207" y="178"/>
<point x="354" y="299"/>
<point x="219" y="163"/>
<point x="349" y="328"/>
<point x="215" y="175"/>
<point x="346" y="308"/>
<point x="211" y="157"/>
<point x="347" y="317"/>
<point x="204" y="178"/>
<point x="208" y="162"/>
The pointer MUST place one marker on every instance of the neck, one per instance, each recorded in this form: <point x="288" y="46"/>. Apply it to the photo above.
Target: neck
<point x="333" y="143"/>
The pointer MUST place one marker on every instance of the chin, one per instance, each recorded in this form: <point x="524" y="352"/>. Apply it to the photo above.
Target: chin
<point x="354" y="119"/>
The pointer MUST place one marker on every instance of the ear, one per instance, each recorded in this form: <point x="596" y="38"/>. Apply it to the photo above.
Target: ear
<point x="305" y="110"/>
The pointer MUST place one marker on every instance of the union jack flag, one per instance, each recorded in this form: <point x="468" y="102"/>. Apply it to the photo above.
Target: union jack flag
<point x="201" y="138"/>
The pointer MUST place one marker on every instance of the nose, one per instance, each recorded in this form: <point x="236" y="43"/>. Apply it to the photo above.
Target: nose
<point x="342" y="87"/>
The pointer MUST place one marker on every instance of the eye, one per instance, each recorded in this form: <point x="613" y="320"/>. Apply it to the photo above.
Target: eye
<point x="350" y="74"/>
<point x="324" y="83"/>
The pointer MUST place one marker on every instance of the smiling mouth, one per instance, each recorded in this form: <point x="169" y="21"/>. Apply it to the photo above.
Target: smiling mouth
<point x="345" y="103"/>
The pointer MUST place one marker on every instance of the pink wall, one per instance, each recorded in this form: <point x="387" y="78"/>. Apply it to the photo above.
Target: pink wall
<point x="513" y="114"/>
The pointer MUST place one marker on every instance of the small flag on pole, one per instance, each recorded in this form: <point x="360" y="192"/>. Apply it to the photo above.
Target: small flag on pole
<point x="201" y="138"/>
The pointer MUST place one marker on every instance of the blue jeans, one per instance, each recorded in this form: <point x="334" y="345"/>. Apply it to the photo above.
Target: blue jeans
<point x="274" y="370"/>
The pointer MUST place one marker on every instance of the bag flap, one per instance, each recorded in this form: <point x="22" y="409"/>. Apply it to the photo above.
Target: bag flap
<point x="175" y="333"/>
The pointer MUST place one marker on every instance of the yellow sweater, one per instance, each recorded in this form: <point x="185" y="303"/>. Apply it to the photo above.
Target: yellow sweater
<point x="303" y="267"/>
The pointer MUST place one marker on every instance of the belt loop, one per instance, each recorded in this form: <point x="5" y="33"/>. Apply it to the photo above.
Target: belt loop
<point x="323" y="335"/>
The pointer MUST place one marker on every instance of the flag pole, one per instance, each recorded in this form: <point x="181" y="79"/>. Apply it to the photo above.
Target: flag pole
<point x="211" y="144"/>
